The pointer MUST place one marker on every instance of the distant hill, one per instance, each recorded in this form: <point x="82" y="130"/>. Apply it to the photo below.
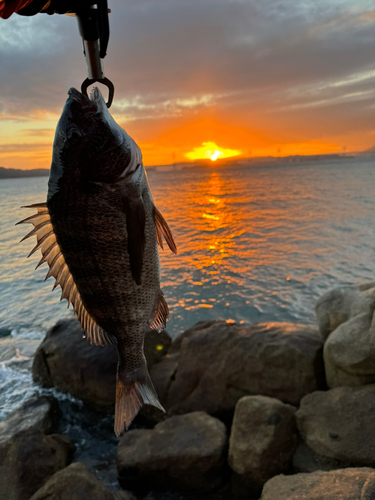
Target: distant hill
<point x="368" y="152"/>
<point x="11" y="173"/>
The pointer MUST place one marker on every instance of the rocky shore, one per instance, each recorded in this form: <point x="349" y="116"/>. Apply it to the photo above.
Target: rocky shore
<point x="271" y="411"/>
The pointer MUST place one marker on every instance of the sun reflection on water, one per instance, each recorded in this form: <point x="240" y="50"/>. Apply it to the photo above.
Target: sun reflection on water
<point x="213" y="236"/>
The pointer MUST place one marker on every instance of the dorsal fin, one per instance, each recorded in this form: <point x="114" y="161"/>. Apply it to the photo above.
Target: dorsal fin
<point x="161" y="314"/>
<point x="58" y="268"/>
<point x="162" y="229"/>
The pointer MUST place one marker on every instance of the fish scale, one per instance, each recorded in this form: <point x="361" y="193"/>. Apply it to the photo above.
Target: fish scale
<point x="98" y="232"/>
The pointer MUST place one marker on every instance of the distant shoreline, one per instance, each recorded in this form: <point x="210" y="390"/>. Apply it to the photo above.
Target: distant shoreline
<point x="13" y="173"/>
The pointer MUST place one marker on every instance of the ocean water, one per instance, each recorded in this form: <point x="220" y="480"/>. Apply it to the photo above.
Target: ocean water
<point x="255" y="243"/>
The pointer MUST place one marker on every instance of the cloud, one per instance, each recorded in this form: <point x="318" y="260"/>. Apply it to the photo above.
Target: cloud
<point x="37" y="132"/>
<point x="259" y="65"/>
<point x="147" y="107"/>
<point x="23" y="148"/>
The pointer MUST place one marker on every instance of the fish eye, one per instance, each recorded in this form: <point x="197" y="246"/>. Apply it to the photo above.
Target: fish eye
<point x="73" y="134"/>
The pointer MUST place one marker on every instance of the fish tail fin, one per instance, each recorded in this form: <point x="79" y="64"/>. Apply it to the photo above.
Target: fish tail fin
<point x="133" y="390"/>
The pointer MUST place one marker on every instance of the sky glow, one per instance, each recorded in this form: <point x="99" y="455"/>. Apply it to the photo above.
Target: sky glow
<point x="262" y="78"/>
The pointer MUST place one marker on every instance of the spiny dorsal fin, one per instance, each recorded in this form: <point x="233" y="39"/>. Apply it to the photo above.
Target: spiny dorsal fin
<point x="161" y="314"/>
<point x="162" y="229"/>
<point x="58" y="268"/>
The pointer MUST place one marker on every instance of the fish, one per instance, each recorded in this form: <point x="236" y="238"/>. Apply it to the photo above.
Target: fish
<point x="98" y="232"/>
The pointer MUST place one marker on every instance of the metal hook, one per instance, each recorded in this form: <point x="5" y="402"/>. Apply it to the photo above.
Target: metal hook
<point x="104" y="81"/>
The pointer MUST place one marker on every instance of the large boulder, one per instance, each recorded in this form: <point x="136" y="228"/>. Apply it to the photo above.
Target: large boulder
<point x="66" y="361"/>
<point x="340" y="304"/>
<point x="343" y="484"/>
<point x="339" y="424"/>
<point x="28" y="459"/>
<point x="27" y="456"/>
<point x="36" y="414"/>
<point x="262" y="441"/>
<point x="73" y="483"/>
<point x="185" y="452"/>
<point x="345" y="315"/>
<point x="212" y="365"/>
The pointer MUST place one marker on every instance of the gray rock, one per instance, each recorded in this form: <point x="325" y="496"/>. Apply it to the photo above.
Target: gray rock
<point x="346" y="316"/>
<point x="38" y="413"/>
<point x="339" y="424"/>
<point x="73" y="483"/>
<point x="262" y="441"/>
<point x="214" y="364"/>
<point x="28" y="460"/>
<point x="340" y="304"/>
<point x="185" y="452"/>
<point x="66" y="361"/>
<point x="343" y="484"/>
<point x="349" y="353"/>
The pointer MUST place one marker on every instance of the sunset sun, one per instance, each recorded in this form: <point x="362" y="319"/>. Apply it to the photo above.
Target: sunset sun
<point x="211" y="151"/>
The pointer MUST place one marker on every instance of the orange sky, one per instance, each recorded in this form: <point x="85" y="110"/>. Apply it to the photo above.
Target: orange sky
<point x="249" y="79"/>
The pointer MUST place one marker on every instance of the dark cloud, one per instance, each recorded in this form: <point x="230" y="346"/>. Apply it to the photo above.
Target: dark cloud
<point x="174" y="58"/>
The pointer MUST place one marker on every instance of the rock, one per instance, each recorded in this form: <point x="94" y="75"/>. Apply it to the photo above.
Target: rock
<point x="38" y="413"/>
<point x="262" y="441"/>
<point x="156" y="346"/>
<point x="18" y="351"/>
<point x="339" y="424"/>
<point x="162" y="375"/>
<point x="340" y="304"/>
<point x="346" y="316"/>
<point x="73" y="483"/>
<point x="124" y="495"/>
<point x="185" y="452"/>
<point x="28" y="460"/>
<point x="66" y="361"/>
<point x="218" y="363"/>
<point x="343" y="484"/>
<point x="349" y="353"/>
<point x="305" y="460"/>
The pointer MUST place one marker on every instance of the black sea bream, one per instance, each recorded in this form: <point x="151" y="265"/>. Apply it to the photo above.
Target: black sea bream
<point x="98" y="232"/>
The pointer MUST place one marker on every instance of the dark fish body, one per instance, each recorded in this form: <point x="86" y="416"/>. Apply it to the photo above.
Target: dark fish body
<point x="98" y="232"/>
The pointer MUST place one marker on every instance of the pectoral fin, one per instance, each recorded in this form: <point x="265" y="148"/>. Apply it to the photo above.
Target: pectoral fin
<point x="135" y="223"/>
<point x="162" y="229"/>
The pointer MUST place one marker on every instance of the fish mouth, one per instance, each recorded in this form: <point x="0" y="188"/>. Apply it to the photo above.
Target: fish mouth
<point x="80" y="98"/>
<point x="96" y="95"/>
